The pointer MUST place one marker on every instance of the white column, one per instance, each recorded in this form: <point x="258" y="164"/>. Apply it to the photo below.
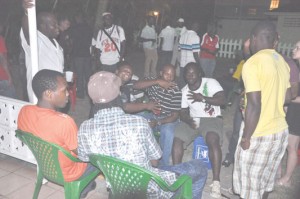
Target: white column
<point x="33" y="42"/>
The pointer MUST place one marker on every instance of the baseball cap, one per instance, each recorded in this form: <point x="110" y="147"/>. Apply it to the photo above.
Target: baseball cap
<point x="104" y="87"/>
<point x="181" y="20"/>
<point x="106" y="13"/>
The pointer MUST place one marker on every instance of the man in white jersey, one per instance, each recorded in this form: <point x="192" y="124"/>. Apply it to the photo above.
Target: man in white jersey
<point x="110" y="43"/>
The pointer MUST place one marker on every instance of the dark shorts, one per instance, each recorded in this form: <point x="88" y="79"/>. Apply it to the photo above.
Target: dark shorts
<point x="184" y="132"/>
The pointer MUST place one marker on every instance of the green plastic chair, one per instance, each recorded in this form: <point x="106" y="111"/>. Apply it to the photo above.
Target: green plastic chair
<point x="46" y="155"/>
<point x="130" y="181"/>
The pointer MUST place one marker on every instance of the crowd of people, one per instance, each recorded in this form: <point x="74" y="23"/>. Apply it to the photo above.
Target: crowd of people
<point x="177" y="98"/>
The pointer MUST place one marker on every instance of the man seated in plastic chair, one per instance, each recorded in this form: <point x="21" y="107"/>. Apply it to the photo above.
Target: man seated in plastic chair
<point x="128" y="137"/>
<point x="44" y="121"/>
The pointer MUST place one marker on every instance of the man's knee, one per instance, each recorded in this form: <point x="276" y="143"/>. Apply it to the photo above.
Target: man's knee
<point x="177" y="144"/>
<point x="212" y="139"/>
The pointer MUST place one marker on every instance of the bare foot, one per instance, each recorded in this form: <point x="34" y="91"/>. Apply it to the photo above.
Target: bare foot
<point x="284" y="183"/>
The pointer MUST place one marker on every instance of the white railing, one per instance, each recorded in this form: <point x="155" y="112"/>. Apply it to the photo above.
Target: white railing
<point x="9" y="143"/>
<point x="229" y="47"/>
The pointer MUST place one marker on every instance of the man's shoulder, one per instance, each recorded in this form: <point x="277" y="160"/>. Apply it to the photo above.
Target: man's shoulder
<point x="185" y="89"/>
<point x="210" y="81"/>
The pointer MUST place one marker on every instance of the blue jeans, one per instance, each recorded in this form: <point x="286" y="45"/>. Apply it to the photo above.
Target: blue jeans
<point x="89" y="169"/>
<point x="208" y="66"/>
<point x="196" y="169"/>
<point x="166" y="137"/>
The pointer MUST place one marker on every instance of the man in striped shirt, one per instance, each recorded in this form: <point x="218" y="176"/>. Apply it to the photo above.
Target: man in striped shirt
<point x="189" y="46"/>
<point x="166" y="92"/>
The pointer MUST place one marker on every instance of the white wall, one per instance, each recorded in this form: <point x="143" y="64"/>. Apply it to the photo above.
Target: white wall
<point x="235" y="28"/>
<point x="240" y="29"/>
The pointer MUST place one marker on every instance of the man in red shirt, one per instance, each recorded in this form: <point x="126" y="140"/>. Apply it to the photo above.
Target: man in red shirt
<point x="6" y="87"/>
<point x="42" y="120"/>
<point x="209" y="49"/>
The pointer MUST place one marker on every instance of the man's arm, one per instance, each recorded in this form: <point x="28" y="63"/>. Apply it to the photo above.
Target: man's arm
<point x="142" y="39"/>
<point x="288" y="96"/>
<point x="161" y="43"/>
<point x="4" y="64"/>
<point x="143" y="84"/>
<point x="196" y="57"/>
<point x="122" y="50"/>
<point x="185" y="117"/>
<point x="138" y="107"/>
<point x="294" y="90"/>
<point x="26" y="4"/>
<point x="217" y="100"/>
<point x="252" y="114"/>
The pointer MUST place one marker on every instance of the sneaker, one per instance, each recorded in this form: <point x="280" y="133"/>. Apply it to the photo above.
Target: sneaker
<point x="88" y="188"/>
<point x="215" y="189"/>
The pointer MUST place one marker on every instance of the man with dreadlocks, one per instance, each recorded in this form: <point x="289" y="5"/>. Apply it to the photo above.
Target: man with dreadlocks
<point x="201" y="114"/>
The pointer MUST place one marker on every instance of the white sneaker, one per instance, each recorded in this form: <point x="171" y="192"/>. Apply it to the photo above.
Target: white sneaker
<point x="215" y="189"/>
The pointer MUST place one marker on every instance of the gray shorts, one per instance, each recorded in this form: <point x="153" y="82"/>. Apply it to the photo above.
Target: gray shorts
<point x="184" y="132"/>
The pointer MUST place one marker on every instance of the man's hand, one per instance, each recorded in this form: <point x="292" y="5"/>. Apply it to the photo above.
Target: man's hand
<point x="153" y="106"/>
<point x="27" y="4"/>
<point x="246" y="48"/>
<point x="152" y="123"/>
<point x="245" y="143"/>
<point x="196" y="97"/>
<point x="165" y="84"/>
<point x="191" y="123"/>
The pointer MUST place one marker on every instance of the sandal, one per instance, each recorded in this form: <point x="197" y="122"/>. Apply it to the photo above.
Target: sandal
<point x="226" y="163"/>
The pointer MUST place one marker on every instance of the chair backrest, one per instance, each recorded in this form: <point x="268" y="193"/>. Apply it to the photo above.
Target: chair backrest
<point x="46" y="155"/>
<point x="126" y="179"/>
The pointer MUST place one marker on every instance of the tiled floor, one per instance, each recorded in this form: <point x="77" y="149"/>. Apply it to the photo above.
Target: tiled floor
<point x="17" y="181"/>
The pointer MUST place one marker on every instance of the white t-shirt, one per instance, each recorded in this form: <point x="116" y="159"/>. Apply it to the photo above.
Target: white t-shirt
<point x="50" y="57"/>
<point x="109" y="52"/>
<point x="209" y="87"/>
<point x="149" y="32"/>
<point x="189" y="43"/>
<point x="168" y="35"/>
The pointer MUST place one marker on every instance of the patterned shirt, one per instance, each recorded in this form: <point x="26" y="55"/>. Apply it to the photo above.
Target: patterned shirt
<point x="128" y="137"/>
<point x="189" y="44"/>
<point x="169" y="99"/>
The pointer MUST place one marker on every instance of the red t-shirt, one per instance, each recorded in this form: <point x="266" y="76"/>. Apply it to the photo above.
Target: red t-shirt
<point x="3" y="51"/>
<point x="209" y="43"/>
<point x="57" y="128"/>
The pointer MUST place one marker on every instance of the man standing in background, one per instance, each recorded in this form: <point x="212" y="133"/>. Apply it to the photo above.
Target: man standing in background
<point x="209" y="49"/>
<point x="166" y="36"/>
<point x="189" y="46"/>
<point x="148" y="37"/>
<point x="111" y="44"/>
<point x="179" y="30"/>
